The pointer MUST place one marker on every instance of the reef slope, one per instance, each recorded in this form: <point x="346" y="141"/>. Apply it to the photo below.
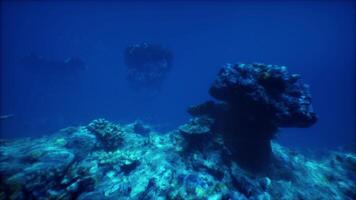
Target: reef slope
<point x="104" y="160"/>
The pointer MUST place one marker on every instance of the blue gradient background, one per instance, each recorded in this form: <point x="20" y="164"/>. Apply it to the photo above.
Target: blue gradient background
<point x="315" y="39"/>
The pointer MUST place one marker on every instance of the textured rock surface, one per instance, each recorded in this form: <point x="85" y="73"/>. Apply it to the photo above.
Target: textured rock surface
<point x="109" y="135"/>
<point x="74" y="164"/>
<point x="268" y="90"/>
<point x="197" y="133"/>
<point x="254" y="101"/>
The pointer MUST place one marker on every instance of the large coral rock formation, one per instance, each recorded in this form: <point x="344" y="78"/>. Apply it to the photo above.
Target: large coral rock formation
<point x="156" y="167"/>
<point x="255" y="100"/>
<point x="265" y="91"/>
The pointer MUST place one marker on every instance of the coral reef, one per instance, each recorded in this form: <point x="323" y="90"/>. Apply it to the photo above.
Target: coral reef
<point x="147" y="64"/>
<point x="280" y="97"/>
<point x="255" y="100"/>
<point x="74" y="164"/>
<point x="197" y="133"/>
<point x="218" y="154"/>
<point x="109" y="134"/>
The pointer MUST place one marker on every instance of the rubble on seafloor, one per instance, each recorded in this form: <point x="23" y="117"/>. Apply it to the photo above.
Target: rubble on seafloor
<point x="75" y="164"/>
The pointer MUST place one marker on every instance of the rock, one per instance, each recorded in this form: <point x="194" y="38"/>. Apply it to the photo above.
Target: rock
<point x="46" y="168"/>
<point x="257" y="99"/>
<point x="109" y="134"/>
<point x="139" y="128"/>
<point x="197" y="132"/>
<point x="199" y="126"/>
<point x="82" y="142"/>
<point x="268" y="90"/>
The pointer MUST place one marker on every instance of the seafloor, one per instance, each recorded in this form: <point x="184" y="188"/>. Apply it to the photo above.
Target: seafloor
<point x="105" y="160"/>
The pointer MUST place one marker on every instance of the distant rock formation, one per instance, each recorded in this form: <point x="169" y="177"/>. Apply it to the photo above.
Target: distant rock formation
<point x="147" y="65"/>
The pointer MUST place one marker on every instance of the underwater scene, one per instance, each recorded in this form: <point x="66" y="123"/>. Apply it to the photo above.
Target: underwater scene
<point x="178" y="100"/>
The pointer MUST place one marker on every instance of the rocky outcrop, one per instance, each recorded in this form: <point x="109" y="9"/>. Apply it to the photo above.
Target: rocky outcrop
<point x="254" y="101"/>
<point x="73" y="164"/>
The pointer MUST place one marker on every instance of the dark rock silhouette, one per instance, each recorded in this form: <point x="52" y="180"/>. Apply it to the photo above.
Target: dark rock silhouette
<point x="147" y="64"/>
<point x="256" y="100"/>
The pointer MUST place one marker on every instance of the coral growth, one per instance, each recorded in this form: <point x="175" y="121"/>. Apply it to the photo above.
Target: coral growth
<point x="265" y="91"/>
<point x="109" y="134"/>
<point x="256" y="100"/>
<point x="205" y="158"/>
<point x="197" y="132"/>
<point x="153" y="167"/>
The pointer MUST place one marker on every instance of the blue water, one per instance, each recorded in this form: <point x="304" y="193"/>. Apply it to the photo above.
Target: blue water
<point x="315" y="39"/>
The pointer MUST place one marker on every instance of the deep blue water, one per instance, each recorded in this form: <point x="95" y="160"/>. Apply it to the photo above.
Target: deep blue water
<point x="315" y="39"/>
